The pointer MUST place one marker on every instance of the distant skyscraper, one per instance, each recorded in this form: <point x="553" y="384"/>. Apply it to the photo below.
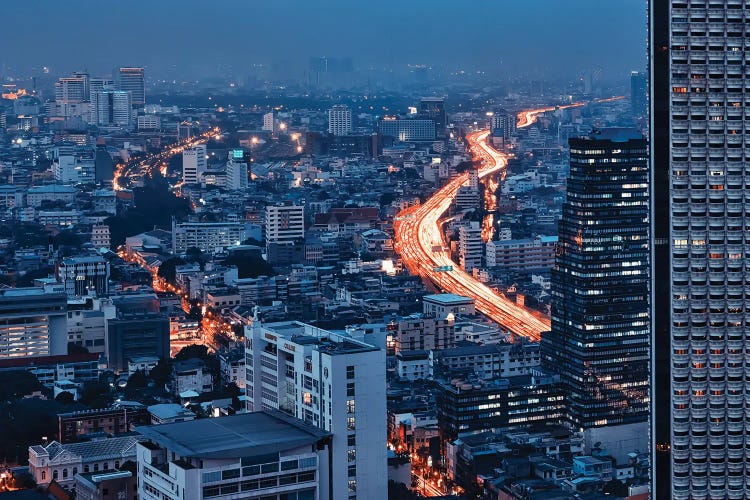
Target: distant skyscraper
<point x="340" y="120"/>
<point x="600" y="335"/>
<point x="97" y="85"/>
<point x="269" y="122"/>
<point x="193" y="164"/>
<point x="114" y="107"/>
<point x="236" y="172"/>
<point x="72" y="89"/>
<point x="700" y="177"/>
<point x="133" y="80"/>
<point x="434" y="108"/>
<point x="639" y="93"/>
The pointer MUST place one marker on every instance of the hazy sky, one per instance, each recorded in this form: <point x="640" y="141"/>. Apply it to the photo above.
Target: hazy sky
<point x="180" y="38"/>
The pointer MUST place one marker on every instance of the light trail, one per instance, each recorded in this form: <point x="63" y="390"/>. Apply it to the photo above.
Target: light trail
<point x="421" y="244"/>
<point x="528" y="117"/>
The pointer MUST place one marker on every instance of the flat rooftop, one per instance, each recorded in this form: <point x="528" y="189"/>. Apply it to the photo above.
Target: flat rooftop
<point x="323" y="340"/>
<point x="244" y="435"/>
<point x="447" y="298"/>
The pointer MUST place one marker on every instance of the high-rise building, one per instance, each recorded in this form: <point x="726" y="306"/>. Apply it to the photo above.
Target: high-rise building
<point x="97" y="85"/>
<point x="72" y="89"/>
<point x="114" y="108"/>
<point x="639" y="93"/>
<point x="434" y="109"/>
<point x="133" y="80"/>
<point x="269" y="122"/>
<point x="600" y="337"/>
<point x="285" y="223"/>
<point x="193" y="164"/>
<point x="408" y="129"/>
<point x="470" y="246"/>
<point x="503" y="123"/>
<point x="32" y="323"/>
<point x="332" y="382"/>
<point x="699" y="163"/>
<point x="236" y="172"/>
<point x="340" y="120"/>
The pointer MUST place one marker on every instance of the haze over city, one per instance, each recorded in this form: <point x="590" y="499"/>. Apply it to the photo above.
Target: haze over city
<point x="195" y="40"/>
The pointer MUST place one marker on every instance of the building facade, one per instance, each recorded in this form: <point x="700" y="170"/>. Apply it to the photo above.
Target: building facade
<point x="332" y="382"/>
<point x="83" y="276"/>
<point x="207" y="236"/>
<point x="32" y="323"/>
<point x="600" y="337"/>
<point x="194" y="164"/>
<point x="133" y="80"/>
<point x="340" y="120"/>
<point x="698" y="132"/>
<point x="284" y="223"/>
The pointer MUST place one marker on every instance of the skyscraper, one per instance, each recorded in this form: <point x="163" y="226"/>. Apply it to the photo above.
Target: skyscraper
<point x="133" y="80"/>
<point x="638" y="93"/>
<point x="114" y="107"/>
<point x="599" y="342"/>
<point x="340" y="120"/>
<point x="700" y="150"/>
<point x="434" y="108"/>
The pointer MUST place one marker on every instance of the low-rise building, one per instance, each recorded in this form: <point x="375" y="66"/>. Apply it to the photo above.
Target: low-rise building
<point x="191" y="375"/>
<point x="120" y="485"/>
<point x="413" y="365"/>
<point x="61" y="462"/>
<point x="169" y="413"/>
<point x="113" y="421"/>
<point x="488" y="362"/>
<point x="442" y="305"/>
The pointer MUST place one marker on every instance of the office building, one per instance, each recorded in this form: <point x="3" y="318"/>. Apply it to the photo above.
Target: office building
<point x="133" y="80"/>
<point x="284" y="223"/>
<point x="106" y="485"/>
<point x="433" y="108"/>
<point x="75" y="167"/>
<point x="517" y="402"/>
<point x="208" y="236"/>
<point x="270" y="122"/>
<point x="422" y="332"/>
<point x="74" y="426"/>
<point x="599" y="342"/>
<point x="97" y="85"/>
<point x="503" y="124"/>
<point x="408" y="129"/>
<point x="83" y="276"/>
<point x="194" y="164"/>
<point x="79" y="367"/>
<point x="330" y="381"/>
<point x="639" y="93"/>
<point x="132" y="335"/>
<point x="444" y="305"/>
<point x="72" y="89"/>
<point x="114" y="108"/>
<point x="253" y="455"/>
<point x="236" y="174"/>
<point x="470" y="246"/>
<point x="526" y="254"/>
<point x="340" y="120"/>
<point x="32" y="323"/>
<point x="100" y="236"/>
<point x="699" y="210"/>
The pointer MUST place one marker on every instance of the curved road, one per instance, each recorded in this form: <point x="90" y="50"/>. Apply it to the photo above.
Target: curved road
<point x="420" y="242"/>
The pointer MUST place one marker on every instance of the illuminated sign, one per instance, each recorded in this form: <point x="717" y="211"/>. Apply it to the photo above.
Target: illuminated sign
<point x="289" y="347"/>
<point x="238" y="154"/>
<point x="270" y="337"/>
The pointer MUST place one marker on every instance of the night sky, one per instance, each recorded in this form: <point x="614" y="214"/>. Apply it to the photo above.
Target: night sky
<point x="196" y="39"/>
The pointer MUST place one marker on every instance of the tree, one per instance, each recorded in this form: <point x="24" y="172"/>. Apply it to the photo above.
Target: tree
<point x="249" y="265"/>
<point x="95" y="394"/>
<point x="65" y="397"/>
<point x="168" y="268"/>
<point x="22" y="481"/>
<point x="162" y="372"/>
<point x="192" y="351"/>
<point x="137" y="380"/>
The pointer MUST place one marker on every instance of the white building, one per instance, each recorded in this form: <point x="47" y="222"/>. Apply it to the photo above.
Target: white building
<point x="193" y="163"/>
<point x="284" y="223"/>
<point x="74" y="169"/>
<point x="149" y="122"/>
<point x="32" y="323"/>
<point x="236" y="179"/>
<point x="61" y="462"/>
<point x="252" y="455"/>
<point x="470" y="246"/>
<point x="340" y="120"/>
<point x="270" y="122"/>
<point x="488" y="362"/>
<point x="53" y="192"/>
<point x="208" y="236"/>
<point x="332" y="382"/>
<point x="97" y="85"/>
<point x="100" y="236"/>
<point x="114" y="108"/>
<point x="442" y="305"/>
<point x="191" y="375"/>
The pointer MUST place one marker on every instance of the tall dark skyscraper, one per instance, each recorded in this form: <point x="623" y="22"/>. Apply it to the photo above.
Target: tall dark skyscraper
<point x="434" y="108"/>
<point x="699" y="129"/>
<point x="599" y="342"/>
<point x="133" y="80"/>
<point x="639" y="93"/>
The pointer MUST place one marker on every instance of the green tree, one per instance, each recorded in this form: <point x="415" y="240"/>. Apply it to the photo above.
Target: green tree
<point x="167" y="269"/>
<point x="138" y="380"/>
<point x="161" y="373"/>
<point x="65" y="397"/>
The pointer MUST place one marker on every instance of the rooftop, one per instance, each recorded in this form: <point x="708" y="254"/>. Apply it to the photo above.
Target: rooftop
<point x="447" y="298"/>
<point x="244" y="435"/>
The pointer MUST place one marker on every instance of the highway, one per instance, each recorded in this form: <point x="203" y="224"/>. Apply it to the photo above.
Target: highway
<point x="420" y="242"/>
<point x="141" y="166"/>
